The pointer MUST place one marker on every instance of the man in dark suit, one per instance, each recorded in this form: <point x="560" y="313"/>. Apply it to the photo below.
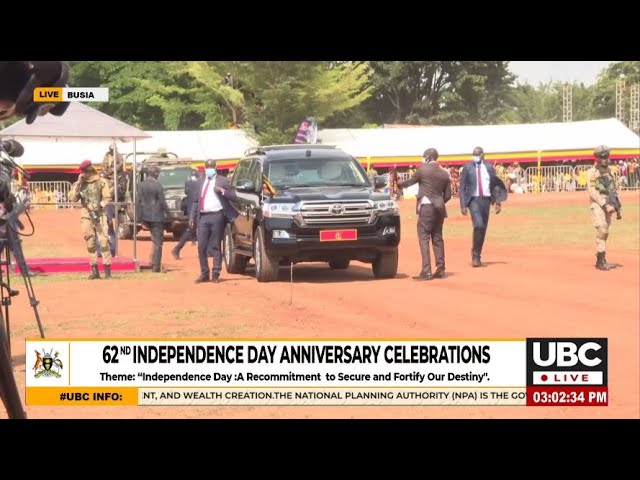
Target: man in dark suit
<point x="480" y="187"/>
<point x="434" y="191"/>
<point x="192" y="193"/>
<point x="211" y="211"/>
<point x="153" y="213"/>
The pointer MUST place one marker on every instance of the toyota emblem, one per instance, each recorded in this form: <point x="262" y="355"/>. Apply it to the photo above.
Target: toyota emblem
<point x="336" y="209"/>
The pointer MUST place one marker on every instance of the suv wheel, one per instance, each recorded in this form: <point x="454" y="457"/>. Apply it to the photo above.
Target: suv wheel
<point x="339" y="264"/>
<point x="386" y="265"/>
<point x="234" y="263"/>
<point x="125" y="230"/>
<point x="267" y="267"/>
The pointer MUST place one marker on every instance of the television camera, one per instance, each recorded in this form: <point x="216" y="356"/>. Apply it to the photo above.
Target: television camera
<point x="18" y="81"/>
<point x="10" y="245"/>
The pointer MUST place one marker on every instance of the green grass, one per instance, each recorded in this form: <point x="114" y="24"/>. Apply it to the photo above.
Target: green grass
<point x="550" y="224"/>
<point x="70" y="277"/>
<point x="37" y="248"/>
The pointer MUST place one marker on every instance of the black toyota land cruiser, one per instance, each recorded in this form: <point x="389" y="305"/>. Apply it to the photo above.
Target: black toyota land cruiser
<point x="309" y="203"/>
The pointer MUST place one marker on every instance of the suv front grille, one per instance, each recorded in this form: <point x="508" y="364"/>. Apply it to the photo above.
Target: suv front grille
<point x="336" y="213"/>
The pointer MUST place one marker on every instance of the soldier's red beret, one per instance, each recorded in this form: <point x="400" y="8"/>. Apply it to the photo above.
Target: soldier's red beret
<point x="85" y="164"/>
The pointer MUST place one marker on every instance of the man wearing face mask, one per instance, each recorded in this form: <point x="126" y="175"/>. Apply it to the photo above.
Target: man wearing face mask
<point x="211" y="211"/>
<point x="480" y="187"/>
<point x="94" y="194"/>
<point x="434" y="191"/>
<point x="603" y="198"/>
<point x="191" y="191"/>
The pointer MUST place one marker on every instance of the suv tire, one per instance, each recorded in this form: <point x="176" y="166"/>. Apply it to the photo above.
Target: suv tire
<point x="125" y="230"/>
<point x="267" y="267"/>
<point x="386" y="265"/>
<point x="234" y="263"/>
<point x="339" y="264"/>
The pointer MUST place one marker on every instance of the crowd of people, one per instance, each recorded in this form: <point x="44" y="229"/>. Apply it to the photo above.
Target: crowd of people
<point x="562" y="177"/>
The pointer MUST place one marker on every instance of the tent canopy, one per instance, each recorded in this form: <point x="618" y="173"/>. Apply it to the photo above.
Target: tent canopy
<point x="80" y="123"/>
<point x="198" y="145"/>
<point x="218" y="145"/>
<point x="494" y="139"/>
<point x="385" y="146"/>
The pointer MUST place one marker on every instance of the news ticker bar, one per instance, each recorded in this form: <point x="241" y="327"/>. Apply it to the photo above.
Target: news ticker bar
<point x="296" y="396"/>
<point x="70" y="94"/>
<point x="533" y="372"/>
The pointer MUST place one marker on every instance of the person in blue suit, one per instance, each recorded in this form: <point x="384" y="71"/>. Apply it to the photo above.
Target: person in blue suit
<point x="480" y="188"/>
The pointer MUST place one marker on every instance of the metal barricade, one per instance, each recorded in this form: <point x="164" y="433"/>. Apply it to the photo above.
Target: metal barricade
<point x="550" y="178"/>
<point x="49" y="194"/>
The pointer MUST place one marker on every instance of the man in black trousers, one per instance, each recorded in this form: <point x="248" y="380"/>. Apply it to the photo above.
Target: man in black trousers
<point x="192" y="193"/>
<point x="434" y="191"/>
<point x="153" y="213"/>
<point x="211" y="211"/>
<point x="480" y="187"/>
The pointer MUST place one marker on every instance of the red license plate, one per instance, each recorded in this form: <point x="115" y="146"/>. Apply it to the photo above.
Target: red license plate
<point x="338" y="235"/>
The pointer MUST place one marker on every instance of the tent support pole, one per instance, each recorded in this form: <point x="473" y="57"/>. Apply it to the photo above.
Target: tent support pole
<point x="115" y="196"/>
<point x="134" y="189"/>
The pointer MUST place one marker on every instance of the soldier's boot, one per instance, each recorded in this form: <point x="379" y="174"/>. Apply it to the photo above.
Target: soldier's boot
<point x="107" y="271"/>
<point x="601" y="263"/>
<point x="604" y="260"/>
<point x="95" y="274"/>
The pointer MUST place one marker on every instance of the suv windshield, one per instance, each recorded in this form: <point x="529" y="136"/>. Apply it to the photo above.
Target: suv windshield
<point x="174" y="178"/>
<point x="307" y="172"/>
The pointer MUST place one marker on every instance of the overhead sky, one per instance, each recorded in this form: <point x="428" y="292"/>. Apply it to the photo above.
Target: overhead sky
<point x="534" y="73"/>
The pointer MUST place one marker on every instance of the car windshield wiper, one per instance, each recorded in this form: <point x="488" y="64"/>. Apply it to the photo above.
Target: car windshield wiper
<point x="346" y="185"/>
<point x="296" y="185"/>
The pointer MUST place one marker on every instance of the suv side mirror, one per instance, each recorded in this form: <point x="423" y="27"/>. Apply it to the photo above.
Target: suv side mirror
<point x="380" y="182"/>
<point x="245" y="186"/>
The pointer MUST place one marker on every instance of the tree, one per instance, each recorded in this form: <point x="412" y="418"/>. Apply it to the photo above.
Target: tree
<point x="219" y="79"/>
<point x="280" y="94"/>
<point x="150" y="95"/>
<point x="439" y="92"/>
<point x="540" y="104"/>
<point x="605" y="87"/>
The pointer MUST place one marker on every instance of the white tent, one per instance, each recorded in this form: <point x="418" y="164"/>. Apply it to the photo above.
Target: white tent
<point x="198" y="145"/>
<point x="574" y="140"/>
<point x="494" y="139"/>
<point x="79" y="125"/>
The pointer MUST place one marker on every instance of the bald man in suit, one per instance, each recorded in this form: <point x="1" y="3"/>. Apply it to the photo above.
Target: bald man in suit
<point x="434" y="191"/>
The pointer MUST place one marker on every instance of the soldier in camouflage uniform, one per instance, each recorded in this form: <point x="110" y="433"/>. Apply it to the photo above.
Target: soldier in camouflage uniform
<point x="94" y="193"/>
<point x="601" y="187"/>
<point x="107" y="172"/>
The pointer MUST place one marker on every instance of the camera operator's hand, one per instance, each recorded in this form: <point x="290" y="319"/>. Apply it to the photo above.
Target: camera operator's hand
<point x="18" y="80"/>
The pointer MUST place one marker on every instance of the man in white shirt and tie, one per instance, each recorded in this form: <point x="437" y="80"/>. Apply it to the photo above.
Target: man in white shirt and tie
<point x="479" y="188"/>
<point x="211" y="211"/>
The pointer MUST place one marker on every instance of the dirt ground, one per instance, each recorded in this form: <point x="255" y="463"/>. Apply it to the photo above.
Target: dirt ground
<point x="524" y="291"/>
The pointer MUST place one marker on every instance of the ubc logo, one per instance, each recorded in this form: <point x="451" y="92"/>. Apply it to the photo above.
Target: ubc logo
<point x="567" y="354"/>
<point x="566" y="361"/>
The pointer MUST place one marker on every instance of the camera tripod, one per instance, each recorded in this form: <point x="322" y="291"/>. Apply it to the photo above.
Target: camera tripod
<point x="9" y="244"/>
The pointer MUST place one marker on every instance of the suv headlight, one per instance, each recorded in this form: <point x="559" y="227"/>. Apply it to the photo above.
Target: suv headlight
<point x="280" y="210"/>
<point x="386" y="206"/>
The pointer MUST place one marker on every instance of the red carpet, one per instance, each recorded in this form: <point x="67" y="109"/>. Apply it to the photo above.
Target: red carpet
<point x="78" y="265"/>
